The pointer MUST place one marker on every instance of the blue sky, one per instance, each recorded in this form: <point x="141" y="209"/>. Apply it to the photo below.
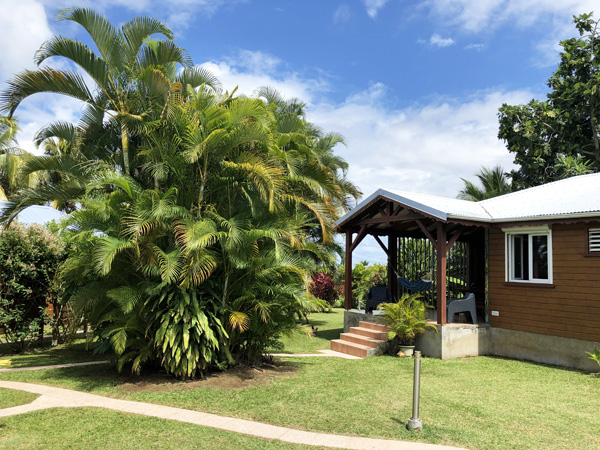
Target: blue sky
<point x="414" y="86"/>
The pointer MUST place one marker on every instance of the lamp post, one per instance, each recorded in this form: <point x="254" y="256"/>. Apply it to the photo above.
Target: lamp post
<point x="414" y="423"/>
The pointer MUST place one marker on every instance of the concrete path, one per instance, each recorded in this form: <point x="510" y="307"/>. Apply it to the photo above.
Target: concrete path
<point x="330" y="353"/>
<point x="52" y="397"/>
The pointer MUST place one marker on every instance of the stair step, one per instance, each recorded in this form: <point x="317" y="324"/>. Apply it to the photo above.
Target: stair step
<point x="373" y="334"/>
<point x="374" y="326"/>
<point x="362" y="340"/>
<point x="350" y="348"/>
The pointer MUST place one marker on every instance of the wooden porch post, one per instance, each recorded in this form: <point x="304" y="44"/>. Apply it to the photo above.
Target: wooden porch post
<point x="392" y="265"/>
<point x="348" y="272"/>
<point x="441" y="273"/>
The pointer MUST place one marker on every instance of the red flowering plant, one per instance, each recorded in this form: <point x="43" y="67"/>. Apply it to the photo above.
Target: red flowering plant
<point x="379" y="279"/>
<point x="322" y="286"/>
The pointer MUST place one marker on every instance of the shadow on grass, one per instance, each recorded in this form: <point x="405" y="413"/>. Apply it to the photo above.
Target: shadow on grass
<point x="106" y="380"/>
<point x="334" y="333"/>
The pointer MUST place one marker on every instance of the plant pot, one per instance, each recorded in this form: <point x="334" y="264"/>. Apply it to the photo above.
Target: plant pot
<point x="408" y="350"/>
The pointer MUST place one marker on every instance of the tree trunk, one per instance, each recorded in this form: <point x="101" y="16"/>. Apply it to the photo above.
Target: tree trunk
<point x="125" y="148"/>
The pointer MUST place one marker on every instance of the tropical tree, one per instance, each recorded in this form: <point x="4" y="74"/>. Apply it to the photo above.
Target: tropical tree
<point x="129" y="72"/>
<point x="11" y="160"/>
<point x="494" y="182"/>
<point x="542" y="134"/>
<point x="196" y="254"/>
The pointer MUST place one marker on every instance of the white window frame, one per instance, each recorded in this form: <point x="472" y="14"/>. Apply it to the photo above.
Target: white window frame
<point x="508" y="251"/>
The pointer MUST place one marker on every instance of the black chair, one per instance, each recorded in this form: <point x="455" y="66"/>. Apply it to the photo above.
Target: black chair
<point x="459" y="305"/>
<point x="377" y="295"/>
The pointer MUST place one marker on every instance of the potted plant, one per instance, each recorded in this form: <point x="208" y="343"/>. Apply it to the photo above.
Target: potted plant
<point x="406" y="320"/>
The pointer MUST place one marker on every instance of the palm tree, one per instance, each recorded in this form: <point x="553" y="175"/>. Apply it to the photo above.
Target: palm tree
<point x="494" y="182"/>
<point x="128" y="75"/>
<point x="11" y="161"/>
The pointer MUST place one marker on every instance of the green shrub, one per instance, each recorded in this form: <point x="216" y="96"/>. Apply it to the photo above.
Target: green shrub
<point x="29" y="259"/>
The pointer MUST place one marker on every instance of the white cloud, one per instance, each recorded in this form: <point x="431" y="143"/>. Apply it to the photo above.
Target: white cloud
<point x="23" y="28"/>
<point x="424" y="148"/>
<point x="439" y="41"/>
<point x="251" y="70"/>
<point x="479" y="15"/>
<point x="342" y="14"/>
<point x="373" y="7"/>
<point x="476" y="47"/>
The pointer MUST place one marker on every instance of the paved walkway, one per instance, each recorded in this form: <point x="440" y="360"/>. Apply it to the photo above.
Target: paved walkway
<point x="52" y="397"/>
<point x="330" y="353"/>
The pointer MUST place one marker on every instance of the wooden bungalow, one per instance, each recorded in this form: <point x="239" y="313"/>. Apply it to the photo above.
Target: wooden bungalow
<point x="532" y="261"/>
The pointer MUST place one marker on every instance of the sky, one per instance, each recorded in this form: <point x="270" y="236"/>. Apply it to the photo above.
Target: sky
<point x="413" y="85"/>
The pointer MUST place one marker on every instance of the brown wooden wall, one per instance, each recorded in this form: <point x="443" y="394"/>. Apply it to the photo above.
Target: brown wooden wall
<point x="569" y="308"/>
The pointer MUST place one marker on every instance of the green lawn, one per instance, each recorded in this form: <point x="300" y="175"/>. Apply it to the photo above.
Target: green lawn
<point x="328" y="326"/>
<point x="96" y="428"/>
<point x="477" y="403"/>
<point x="10" y="397"/>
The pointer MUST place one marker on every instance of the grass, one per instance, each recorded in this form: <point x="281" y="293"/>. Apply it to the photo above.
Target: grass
<point x="477" y="403"/>
<point x="96" y="428"/>
<point x="10" y="397"/>
<point x="328" y="326"/>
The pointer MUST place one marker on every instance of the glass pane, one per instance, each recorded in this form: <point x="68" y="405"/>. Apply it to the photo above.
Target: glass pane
<point x="520" y="251"/>
<point x="540" y="257"/>
<point x="517" y="257"/>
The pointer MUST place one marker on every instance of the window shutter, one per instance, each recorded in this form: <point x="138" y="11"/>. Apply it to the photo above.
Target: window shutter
<point x="594" y="239"/>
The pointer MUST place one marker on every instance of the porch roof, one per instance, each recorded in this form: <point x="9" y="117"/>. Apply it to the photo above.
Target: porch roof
<point x="569" y="198"/>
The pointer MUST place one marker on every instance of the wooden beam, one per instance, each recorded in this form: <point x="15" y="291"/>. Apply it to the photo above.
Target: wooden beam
<point x="348" y="272"/>
<point x="441" y="273"/>
<point x="454" y="238"/>
<point x="427" y="233"/>
<point x="389" y="219"/>
<point x="382" y="245"/>
<point x="359" y="237"/>
<point x="392" y="265"/>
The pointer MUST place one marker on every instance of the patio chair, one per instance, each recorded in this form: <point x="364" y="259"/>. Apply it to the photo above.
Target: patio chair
<point x="377" y="295"/>
<point x="459" y="305"/>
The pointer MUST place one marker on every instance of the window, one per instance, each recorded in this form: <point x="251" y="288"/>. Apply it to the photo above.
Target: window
<point x="529" y="254"/>
<point x="594" y="240"/>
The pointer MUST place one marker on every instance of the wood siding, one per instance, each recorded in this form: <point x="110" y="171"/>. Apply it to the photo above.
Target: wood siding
<point x="569" y="308"/>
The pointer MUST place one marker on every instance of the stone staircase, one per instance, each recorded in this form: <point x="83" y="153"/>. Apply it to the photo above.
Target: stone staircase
<point x="367" y="339"/>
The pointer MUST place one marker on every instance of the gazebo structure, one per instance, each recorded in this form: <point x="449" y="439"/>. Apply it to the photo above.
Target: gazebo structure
<point x="392" y="215"/>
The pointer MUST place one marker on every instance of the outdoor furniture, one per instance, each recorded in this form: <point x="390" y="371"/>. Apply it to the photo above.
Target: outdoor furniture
<point x="459" y="305"/>
<point x="377" y="295"/>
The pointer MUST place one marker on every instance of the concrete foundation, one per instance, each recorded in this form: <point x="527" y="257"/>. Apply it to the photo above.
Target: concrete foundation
<point x="558" y="351"/>
<point x="455" y="341"/>
<point x="463" y="340"/>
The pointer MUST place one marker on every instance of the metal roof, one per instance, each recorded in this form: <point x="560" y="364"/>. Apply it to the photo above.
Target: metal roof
<point x="36" y="214"/>
<point x="572" y="197"/>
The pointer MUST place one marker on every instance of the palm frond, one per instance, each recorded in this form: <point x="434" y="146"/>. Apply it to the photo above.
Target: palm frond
<point x="46" y="79"/>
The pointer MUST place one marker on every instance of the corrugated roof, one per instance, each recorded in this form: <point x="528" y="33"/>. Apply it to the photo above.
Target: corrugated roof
<point x="36" y="214"/>
<point x="576" y="196"/>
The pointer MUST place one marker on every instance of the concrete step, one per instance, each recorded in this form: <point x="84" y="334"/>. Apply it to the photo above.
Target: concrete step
<point x="374" y="326"/>
<point x="362" y="340"/>
<point x="373" y="334"/>
<point x="350" y="348"/>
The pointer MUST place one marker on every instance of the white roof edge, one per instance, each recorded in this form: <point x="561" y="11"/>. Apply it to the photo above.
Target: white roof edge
<point x="398" y="198"/>
<point x="527" y="218"/>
